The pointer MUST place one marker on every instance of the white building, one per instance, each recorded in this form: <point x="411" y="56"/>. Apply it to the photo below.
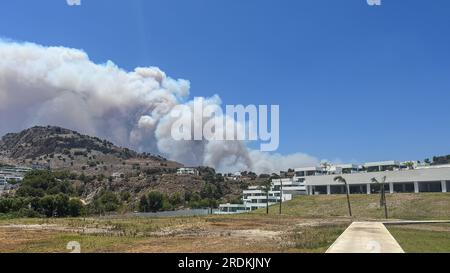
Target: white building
<point x="187" y="171"/>
<point x="117" y="175"/>
<point x="309" y="171"/>
<point x="343" y="168"/>
<point x="4" y="185"/>
<point x="317" y="180"/>
<point x="13" y="174"/>
<point x="382" y="166"/>
<point x="255" y="197"/>
<point x="431" y="179"/>
<point x="2" y="181"/>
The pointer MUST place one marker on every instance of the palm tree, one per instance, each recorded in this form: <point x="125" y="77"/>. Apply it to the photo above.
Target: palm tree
<point x="325" y="165"/>
<point x="409" y="165"/>
<point x="340" y="179"/>
<point x="383" y="201"/>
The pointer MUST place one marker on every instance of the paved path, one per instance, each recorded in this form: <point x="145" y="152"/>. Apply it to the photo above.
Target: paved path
<point x="365" y="237"/>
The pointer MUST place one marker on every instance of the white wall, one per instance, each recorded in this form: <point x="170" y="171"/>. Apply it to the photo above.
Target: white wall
<point x="418" y="175"/>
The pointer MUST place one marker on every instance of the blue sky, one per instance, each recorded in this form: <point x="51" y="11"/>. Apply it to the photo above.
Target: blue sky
<point x="354" y="82"/>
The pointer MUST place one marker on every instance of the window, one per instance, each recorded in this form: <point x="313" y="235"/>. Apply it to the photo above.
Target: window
<point x="358" y="189"/>
<point x="339" y="189"/>
<point x="403" y="187"/>
<point x="320" y="189"/>
<point x="430" y="186"/>
<point x="376" y="188"/>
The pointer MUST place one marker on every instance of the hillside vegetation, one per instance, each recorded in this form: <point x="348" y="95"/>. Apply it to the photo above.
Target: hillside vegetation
<point x="96" y="170"/>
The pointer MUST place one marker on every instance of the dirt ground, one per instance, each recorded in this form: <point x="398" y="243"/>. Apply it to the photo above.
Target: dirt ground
<point x="208" y="234"/>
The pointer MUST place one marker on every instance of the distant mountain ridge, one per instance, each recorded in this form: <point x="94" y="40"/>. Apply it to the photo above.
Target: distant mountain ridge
<point x="61" y="149"/>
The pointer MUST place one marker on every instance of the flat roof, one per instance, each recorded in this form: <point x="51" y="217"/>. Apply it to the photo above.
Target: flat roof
<point x="381" y="163"/>
<point x="313" y="168"/>
<point x="346" y="166"/>
<point x="232" y="205"/>
<point x="400" y="176"/>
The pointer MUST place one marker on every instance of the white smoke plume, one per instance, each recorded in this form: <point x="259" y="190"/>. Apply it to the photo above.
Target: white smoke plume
<point x="61" y="86"/>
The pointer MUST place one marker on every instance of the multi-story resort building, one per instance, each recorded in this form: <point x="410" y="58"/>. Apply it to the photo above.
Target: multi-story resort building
<point x="255" y="197"/>
<point x="2" y="182"/>
<point x="9" y="175"/>
<point x="315" y="180"/>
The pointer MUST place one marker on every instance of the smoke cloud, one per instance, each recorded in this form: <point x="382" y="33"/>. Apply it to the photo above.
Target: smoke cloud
<point x="61" y="86"/>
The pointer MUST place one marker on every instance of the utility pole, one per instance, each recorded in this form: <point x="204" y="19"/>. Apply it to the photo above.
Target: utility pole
<point x="281" y="193"/>
<point x="385" y="202"/>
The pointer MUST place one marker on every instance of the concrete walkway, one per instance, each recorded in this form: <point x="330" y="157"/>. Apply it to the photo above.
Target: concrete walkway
<point x="365" y="237"/>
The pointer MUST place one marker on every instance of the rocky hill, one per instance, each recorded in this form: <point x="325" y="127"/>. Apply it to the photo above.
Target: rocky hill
<point x="57" y="148"/>
<point x="96" y="164"/>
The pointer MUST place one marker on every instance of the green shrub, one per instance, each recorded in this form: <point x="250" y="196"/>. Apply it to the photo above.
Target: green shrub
<point x="155" y="201"/>
<point x="106" y="201"/>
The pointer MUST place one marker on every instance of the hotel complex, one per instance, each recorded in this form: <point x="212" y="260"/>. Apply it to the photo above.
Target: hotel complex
<point x="10" y="175"/>
<point x="400" y="178"/>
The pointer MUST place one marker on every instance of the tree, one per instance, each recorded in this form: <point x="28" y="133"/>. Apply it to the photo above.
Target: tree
<point x="39" y="183"/>
<point x="155" y="201"/>
<point x="143" y="204"/>
<point x="208" y="190"/>
<point x="383" y="202"/>
<point x="106" y="201"/>
<point x="340" y="179"/>
<point x="409" y="165"/>
<point x="176" y="199"/>
<point x="75" y="207"/>
<point x="325" y="165"/>
<point x="47" y="205"/>
<point x="125" y="196"/>
<point x="5" y="205"/>
<point x="61" y="205"/>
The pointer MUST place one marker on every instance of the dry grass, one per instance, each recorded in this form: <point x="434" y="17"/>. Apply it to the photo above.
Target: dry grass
<point x="243" y="233"/>
<point x="423" y="206"/>
<point x="308" y="224"/>
<point x="430" y="238"/>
